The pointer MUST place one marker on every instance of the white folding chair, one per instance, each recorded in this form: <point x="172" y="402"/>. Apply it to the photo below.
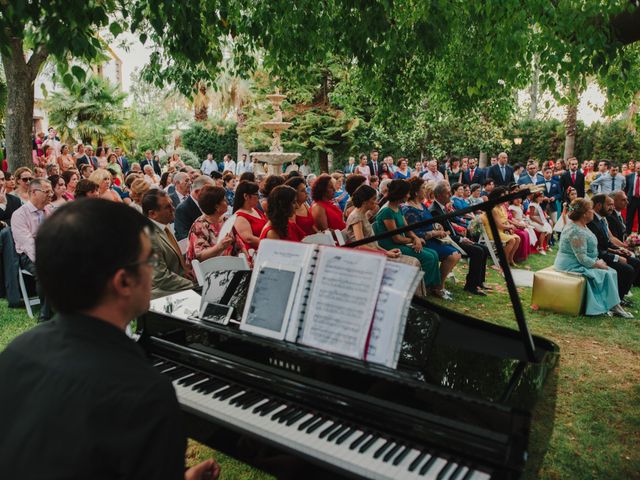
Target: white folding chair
<point x="28" y="301"/>
<point x="484" y="238"/>
<point x="201" y="269"/>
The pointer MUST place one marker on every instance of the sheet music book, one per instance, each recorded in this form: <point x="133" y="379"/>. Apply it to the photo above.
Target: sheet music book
<point x="350" y="302"/>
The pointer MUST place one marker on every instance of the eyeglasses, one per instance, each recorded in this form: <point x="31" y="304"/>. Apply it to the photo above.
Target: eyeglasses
<point x="26" y="179"/>
<point x="153" y="261"/>
<point x="46" y="192"/>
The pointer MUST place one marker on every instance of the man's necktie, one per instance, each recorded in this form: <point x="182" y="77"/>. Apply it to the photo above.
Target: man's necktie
<point x="573" y="177"/>
<point x="503" y="174"/>
<point x="175" y="246"/>
<point x="613" y="183"/>
<point x="40" y="215"/>
<point x="472" y="171"/>
<point x="603" y="221"/>
<point x="548" y="184"/>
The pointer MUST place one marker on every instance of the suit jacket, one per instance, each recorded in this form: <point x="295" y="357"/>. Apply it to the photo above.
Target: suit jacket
<point x="554" y="192"/>
<point x="174" y="198"/>
<point x="617" y="226"/>
<point x="525" y="179"/>
<point x="603" y="240"/>
<point x="436" y="211"/>
<point x="630" y="185"/>
<point x="154" y="163"/>
<point x="186" y="214"/>
<point x="168" y="276"/>
<point x="124" y="164"/>
<point x="565" y="182"/>
<point x="479" y="176"/>
<point x="495" y="173"/>
<point x="13" y="203"/>
<point x="379" y="168"/>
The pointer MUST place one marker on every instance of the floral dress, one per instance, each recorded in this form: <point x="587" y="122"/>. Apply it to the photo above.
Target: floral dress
<point x="204" y="234"/>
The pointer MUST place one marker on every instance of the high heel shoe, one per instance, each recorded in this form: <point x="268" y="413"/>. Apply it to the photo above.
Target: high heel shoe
<point x="618" y="311"/>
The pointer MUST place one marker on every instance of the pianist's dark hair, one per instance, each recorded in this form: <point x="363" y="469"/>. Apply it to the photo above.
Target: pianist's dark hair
<point x="78" y="240"/>
<point x="280" y="207"/>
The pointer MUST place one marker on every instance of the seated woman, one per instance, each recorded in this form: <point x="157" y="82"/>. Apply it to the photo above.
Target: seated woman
<point x="102" y="178"/>
<point x="303" y="219"/>
<point x="139" y="187"/>
<point x="415" y="211"/>
<point x="571" y="195"/>
<point x="527" y="234"/>
<point x="271" y="182"/>
<point x="326" y="214"/>
<point x="578" y="253"/>
<point x="71" y="178"/>
<point x="539" y="222"/>
<point x="59" y="189"/>
<point x="204" y="235"/>
<point x="389" y="218"/>
<point x="282" y="206"/>
<point x="249" y="221"/>
<point x="510" y="240"/>
<point x="459" y="202"/>
<point x="86" y="189"/>
<point x="351" y="185"/>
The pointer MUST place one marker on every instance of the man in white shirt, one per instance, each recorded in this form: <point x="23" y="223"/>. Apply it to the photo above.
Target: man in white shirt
<point x="229" y="164"/>
<point x="25" y="222"/>
<point x="244" y="165"/>
<point x="182" y="183"/>
<point x="432" y="172"/>
<point x="208" y="165"/>
<point x="305" y="169"/>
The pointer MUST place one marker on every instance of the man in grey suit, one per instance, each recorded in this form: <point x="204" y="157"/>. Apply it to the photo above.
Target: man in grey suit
<point x="172" y="274"/>
<point x="182" y="184"/>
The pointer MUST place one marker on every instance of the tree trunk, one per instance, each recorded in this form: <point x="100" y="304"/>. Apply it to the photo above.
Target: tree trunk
<point x="21" y="75"/>
<point x="534" y="93"/>
<point x="570" y="128"/>
<point x="482" y="161"/>
<point x="323" y="160"/>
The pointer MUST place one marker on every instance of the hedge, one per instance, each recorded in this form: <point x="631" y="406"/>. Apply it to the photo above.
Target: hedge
<point x="217" y="138"/>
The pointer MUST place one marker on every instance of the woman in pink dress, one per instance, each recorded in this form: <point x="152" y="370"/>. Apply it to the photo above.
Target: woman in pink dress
<point x="362" y="168"/>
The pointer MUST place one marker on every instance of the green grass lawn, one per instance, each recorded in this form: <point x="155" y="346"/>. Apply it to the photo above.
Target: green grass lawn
<point x="596" y="432"/>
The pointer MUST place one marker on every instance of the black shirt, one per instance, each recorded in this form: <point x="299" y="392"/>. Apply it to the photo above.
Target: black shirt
<point x="79" y="400"/>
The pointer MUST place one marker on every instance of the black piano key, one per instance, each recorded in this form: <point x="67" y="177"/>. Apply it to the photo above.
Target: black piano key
<point x="417" y="461"/>
<point x="307" y="422"/>
<point x="317" y="424"/>
<point x="185" y="382"/>
<point x="358" y="440"/>
<point x="281" y="412"/>
<point x="366" y="445"/>
<point x="382" y="449"/>
<point x="208" y="387"/>
<point x="336" y="433"/>
<point x="469" y="474"/>
<point x="178" y="372"/>
<point x="286" y="416"/>
<point x="445" y="470"/>
<point x="260" y="408"/>
<point x="401" y="455"/>
<point x="296" y="417"/>
<point x="228" y="393"/>
<point x="268" y="409"/>
<point x="159" y="363"/>
<point x="251" y="403"/>
<point x="242" y="398"/>
<point x="457" y="473"/>
<point x="427" y="466"/>
<point x="329" y="429"/>
<point x="344" y="436"/>
<point x="389" y="455"/>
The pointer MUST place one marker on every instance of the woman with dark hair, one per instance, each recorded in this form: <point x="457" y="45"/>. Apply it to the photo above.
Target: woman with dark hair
<point x="352" y="183"/>
<point x="59" y="187"/>
<point x="71" y="178"/>
<point x="391" y="218"/>
<point x="304" y="219"/>
<point x="165" y="180"/>
<point x="510" y="240"/>
<point x="65" y="162"/>
<point x="403" y="172"/>
<point x="247" y="177"/>
<point x="578" y="253"/>
<point x="271" y="182"/>
<point x="326" y="214"/>
<point x="282" y="205"/>
<point x="414" y="211"/>
<point x="249" y="221"/>
<point x="204" y="235"/>
<point x="86" y="189"/>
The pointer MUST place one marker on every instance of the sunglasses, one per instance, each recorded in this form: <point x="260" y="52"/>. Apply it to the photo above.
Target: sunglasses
<point x="26" y="179"/>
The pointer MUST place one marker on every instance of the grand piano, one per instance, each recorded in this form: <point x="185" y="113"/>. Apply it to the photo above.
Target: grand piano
<point x="470" y="400"/>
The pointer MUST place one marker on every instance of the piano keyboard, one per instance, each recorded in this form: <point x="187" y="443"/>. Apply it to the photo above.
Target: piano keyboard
<point x="329" y="440"/>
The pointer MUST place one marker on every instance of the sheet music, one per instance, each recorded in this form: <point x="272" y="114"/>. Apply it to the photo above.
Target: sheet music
<point x="180" y="305"/>
<point x="227" y="226"/>
<point x="398" y="284"/>
<point x="342" y="300"/>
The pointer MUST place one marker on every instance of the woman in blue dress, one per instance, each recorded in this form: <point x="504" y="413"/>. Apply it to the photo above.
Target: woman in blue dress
<point x="403" y="172"/>
<point x="415" y="211"/>
<point x="578" y="253"/>
<point x="390" y="218"/>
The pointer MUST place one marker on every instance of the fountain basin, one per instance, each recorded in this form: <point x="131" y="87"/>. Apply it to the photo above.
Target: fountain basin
<point x="277" y="126"/>
<point x="274" y="158"/>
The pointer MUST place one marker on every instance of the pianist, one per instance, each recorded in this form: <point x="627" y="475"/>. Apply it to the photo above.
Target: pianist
<point x="78" y="398"/>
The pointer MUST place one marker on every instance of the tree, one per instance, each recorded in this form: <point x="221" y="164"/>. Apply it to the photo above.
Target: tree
<point x="92" y="111"/>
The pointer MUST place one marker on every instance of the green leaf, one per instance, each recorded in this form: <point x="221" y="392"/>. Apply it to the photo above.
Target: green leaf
<point x="79" y="73"/>
<point x="115" y="28"/>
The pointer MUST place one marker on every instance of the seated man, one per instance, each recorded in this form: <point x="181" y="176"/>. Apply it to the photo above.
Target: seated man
<point x="477" y="253"/>
<point x="170" y="274"/>
<point x="614" y="257"/>
<point x="616" y="222"/>
<point x="79" y="398"/>
<point x="25" y="223"/>
<point x="188" y="210"/>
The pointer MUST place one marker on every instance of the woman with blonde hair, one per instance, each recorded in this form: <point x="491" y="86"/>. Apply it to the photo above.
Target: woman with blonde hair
<point x="102" y="178"/>
<point x="138" y="188"/>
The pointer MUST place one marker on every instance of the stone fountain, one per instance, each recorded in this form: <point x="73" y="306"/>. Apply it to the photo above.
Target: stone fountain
<point x="276" y="157"/>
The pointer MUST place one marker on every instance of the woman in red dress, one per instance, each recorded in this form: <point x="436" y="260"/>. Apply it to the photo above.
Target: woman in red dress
<point x="303" y="217"/>
<point x="282" y="204"/>
<point x="326" y="214"/>
<point x="249" y="221"/>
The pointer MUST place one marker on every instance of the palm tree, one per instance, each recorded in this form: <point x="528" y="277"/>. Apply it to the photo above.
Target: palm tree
<point x="93" y="111"/>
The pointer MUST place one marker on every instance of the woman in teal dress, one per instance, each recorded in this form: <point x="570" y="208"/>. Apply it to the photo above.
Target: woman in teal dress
<point x="390" y="218"/>
<point x="578" y="253"/>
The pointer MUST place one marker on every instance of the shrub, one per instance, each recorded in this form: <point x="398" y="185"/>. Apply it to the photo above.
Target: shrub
<point x="218" y="139"/>
<point x="187" y="156"/>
